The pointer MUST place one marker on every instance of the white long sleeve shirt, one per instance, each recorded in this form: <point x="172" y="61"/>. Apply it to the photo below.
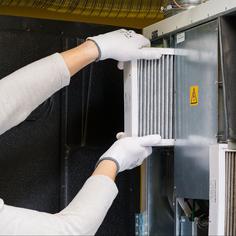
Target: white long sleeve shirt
<point x="20" y="93"/>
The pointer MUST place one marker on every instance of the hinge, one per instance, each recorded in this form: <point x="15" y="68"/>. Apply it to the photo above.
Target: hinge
<point x="141" y="224"/>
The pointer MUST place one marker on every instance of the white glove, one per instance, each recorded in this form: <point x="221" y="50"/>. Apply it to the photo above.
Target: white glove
<point x="123" y="45"/>
<point x="130" y="152"/>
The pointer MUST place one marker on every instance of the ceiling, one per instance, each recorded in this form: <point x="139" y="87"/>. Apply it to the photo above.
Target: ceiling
<point x="123" y="13"/>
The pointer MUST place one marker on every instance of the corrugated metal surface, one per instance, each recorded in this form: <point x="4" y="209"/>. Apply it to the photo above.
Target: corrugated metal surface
<point x="155" y="93"/>
<point x="108" y="8"/>
<point x="230" y="198"/>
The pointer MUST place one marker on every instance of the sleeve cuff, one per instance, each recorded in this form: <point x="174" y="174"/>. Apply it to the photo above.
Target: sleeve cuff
<point x="99" y="49"/>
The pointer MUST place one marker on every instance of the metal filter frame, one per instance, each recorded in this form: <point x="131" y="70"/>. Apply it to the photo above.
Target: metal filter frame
<point x="149" y="96"/>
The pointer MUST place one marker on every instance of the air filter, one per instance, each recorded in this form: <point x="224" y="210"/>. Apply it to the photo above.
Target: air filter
<point x="149" y="96"/>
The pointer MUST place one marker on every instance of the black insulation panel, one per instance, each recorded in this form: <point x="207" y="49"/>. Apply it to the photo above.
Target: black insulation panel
<point x="45" y="160"/>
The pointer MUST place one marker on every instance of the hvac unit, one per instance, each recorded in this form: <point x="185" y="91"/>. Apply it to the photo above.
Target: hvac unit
<point x="188" y="97"/>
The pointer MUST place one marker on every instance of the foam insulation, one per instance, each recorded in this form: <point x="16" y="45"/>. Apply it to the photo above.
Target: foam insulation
<point x="124" y="13"/>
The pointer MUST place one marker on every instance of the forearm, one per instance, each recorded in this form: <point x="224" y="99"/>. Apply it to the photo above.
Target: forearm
<point x="25" y="89"/>
<point x="80" y="56"/>
<point x="107" y="168"/>
<point x="88" y="209"/>
<point x="83" y="216"/>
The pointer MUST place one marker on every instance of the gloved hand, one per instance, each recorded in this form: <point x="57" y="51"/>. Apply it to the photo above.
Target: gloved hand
<point x="130" y="152"/>
<point x="123" y="45"/>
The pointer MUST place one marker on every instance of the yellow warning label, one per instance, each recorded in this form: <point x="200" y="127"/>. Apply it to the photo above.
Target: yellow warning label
<point x="193" y="95"/>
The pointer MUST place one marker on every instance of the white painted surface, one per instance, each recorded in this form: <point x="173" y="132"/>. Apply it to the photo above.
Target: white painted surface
<point x="203" y="12"/>
<point x="217" y="189"/>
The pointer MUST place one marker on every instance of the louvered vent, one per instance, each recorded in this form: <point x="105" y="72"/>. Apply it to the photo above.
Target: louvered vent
<point x="230" y="193"/>
<point x="149" y="96"/>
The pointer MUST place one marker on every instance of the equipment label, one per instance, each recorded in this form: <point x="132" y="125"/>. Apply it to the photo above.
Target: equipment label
<point x="180" y="38"/>
<point x="193" y="95"/>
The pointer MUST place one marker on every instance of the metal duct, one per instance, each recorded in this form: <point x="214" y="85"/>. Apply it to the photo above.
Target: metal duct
<point x="135" y="13"/>
<point x="155" y="93"/>
<point x="230" y="189"/>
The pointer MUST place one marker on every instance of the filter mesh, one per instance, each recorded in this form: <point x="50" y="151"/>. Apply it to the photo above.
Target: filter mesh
<point x="230" y="198"/>
<point x="155" y="93"/>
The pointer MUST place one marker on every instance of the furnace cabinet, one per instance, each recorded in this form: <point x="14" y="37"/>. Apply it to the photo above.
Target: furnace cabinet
<point x="188" y="189"/>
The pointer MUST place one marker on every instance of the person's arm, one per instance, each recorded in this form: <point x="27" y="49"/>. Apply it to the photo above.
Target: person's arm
<point x="25" y="89"/>
<point x="22" y="91"/>
<point x="84" y="215"/>
<point x="107" y="168"/>
<point x="79" y="57"/>
<point x="88" y="209"/>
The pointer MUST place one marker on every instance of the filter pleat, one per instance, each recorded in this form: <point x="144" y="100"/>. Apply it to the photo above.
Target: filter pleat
<point x="162" y="95"/>
<point x="167" y="95"/>
<point x="159" y="97"/>
<point x="155" y="103"/>
<point x="171" y="94"/>
<point x="155" y="88"/>
<point x="148" y="96"/>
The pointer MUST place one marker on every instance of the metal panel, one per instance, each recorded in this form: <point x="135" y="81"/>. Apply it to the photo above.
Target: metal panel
<point x="187" y="227"/>
<point x="157" y="217"/>
<point x="196" y="126"/>
<point x="227" y="45"/>
<point x="202" y="13"/>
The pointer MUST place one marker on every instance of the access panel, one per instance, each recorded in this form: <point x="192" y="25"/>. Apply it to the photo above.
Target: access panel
<point x="196" y="121"/>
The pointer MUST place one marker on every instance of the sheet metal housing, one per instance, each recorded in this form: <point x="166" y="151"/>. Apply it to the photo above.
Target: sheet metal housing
<point x="196" y="126"/>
